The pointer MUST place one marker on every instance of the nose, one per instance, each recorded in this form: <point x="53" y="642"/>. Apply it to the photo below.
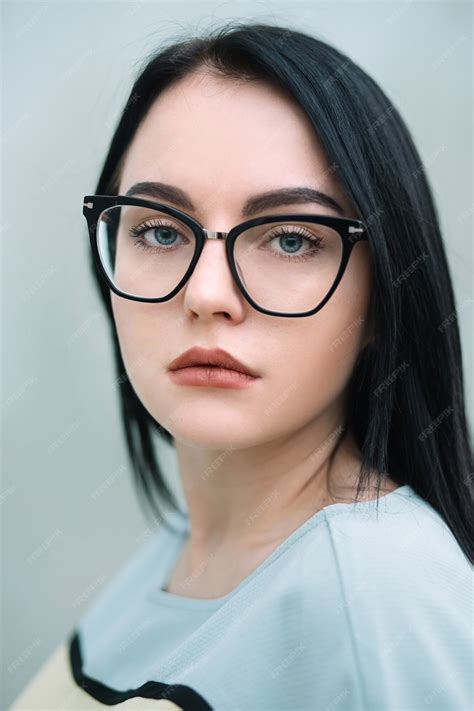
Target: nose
<point x="211" y="287"/>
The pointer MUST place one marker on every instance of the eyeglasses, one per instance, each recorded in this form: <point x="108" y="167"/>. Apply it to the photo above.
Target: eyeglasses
<point x="284" y="265"/>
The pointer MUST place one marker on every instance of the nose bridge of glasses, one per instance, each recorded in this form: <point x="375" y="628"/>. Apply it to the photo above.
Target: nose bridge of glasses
<point x="212" y="234"/>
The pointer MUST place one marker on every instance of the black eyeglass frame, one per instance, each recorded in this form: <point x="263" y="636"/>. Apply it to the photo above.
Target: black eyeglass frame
<point x="350" y="230"/>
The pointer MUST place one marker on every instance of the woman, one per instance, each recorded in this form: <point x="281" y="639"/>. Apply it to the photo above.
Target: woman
<point x="324" y="556"/>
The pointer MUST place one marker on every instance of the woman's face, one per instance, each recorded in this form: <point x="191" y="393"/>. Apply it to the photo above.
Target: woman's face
<point x="223" y="141"/>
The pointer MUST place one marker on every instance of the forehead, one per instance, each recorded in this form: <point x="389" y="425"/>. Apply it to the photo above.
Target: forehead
<point x="222" y="139"/>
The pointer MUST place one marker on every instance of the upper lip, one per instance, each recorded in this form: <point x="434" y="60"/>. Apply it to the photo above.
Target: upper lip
<point x="206" y="356"/>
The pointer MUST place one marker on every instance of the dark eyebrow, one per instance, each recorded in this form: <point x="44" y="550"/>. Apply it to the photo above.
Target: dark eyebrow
<point x="254" y="205"/>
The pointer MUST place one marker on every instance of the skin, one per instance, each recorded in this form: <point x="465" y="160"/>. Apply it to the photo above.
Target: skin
<point x="249" y="479"/>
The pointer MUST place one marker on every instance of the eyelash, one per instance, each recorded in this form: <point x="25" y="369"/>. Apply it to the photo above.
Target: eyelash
<point x="277" y="232"/>
<point x="315" y="242"/>
<point x="140" y="229"/>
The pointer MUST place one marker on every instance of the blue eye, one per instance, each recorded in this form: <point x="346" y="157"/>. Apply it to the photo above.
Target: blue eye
<point x="167" y="234"/>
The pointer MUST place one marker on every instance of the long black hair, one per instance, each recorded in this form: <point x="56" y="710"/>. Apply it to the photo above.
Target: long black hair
<point x="406" y="403"/>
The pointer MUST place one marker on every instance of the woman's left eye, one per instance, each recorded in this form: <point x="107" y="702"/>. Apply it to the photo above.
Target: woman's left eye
<point x="292" y="241"/>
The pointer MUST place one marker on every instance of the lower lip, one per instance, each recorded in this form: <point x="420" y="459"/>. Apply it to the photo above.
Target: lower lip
<point x="211" y="377"/>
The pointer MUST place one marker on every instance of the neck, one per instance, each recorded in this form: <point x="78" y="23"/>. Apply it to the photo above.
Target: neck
<point x="252" y="497"/>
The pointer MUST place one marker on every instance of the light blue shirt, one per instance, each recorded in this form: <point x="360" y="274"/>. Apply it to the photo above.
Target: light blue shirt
<point x="353" y="611"/>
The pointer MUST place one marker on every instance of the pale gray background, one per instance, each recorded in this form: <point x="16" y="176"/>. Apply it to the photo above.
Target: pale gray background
<point x="69" y="514"/>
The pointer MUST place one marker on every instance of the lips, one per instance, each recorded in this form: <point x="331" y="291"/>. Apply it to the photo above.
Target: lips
<point x="213" y="357"/>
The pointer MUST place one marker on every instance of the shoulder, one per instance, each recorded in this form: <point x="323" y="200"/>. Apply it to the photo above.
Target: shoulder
<point x="404" y="551"/>
<point x="57" y="684"/>
<point x="402" y="591"/>
<point x="132" y="575"/>
<point x="401" y="529"/>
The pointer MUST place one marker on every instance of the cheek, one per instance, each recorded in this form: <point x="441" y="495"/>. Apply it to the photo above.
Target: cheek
<point x="314" y="359"/>
<point x="344" y="320"/>
<point x="140" y="331"/>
